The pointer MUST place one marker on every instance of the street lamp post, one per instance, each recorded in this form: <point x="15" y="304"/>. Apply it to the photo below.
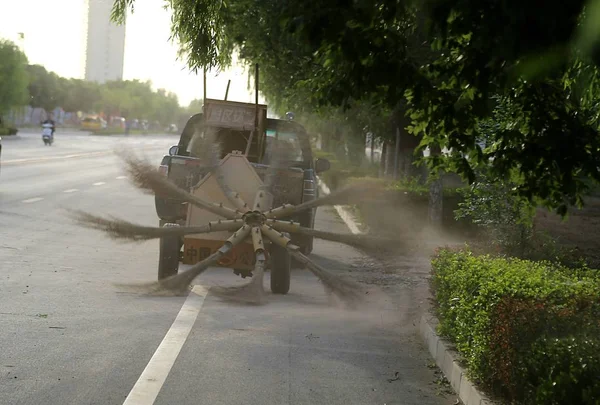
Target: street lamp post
<point x="20" y="116"/>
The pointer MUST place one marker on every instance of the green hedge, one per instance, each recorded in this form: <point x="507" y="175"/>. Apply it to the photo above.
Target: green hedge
<point x="340" y="172"/>
<point x="406" y="200"/>
<point x="5" y="131"/>
<point x="528" y="331"/>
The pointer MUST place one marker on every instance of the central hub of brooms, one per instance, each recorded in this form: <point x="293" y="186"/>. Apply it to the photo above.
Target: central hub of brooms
<point x="242" y="200"/>
<point x="254" y="218"/>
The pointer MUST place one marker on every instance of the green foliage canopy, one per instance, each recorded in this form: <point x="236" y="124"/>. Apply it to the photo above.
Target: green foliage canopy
<point x="452" y="65"/>
<point x="13" y="76"/>
<point x="130" y="98"/>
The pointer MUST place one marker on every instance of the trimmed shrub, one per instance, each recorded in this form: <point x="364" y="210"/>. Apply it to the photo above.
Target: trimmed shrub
<point x="507" y="218"/>
<point x="564" y="350"/>
<point x="340" y="173"/>
<point x="404" y="209"/>
<point x="529" y="331"/>
<point x="6" y="131"/>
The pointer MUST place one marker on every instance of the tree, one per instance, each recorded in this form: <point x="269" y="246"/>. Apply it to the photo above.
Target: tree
<point x="81" y="95"/>
<point x="253" y="28"/>
<point x="505" y="61"/>
<point x="508" y="219"/>
<point x="194" y="107"/>
<point x="13" y="76"/>
<point x="135" y="99"/>
<point x="455" y="63"/>
<point x="44" y="88"/>
<point x="167" y="107"/>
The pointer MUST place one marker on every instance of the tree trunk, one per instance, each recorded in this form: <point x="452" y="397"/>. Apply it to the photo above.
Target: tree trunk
<point x="436" y="196"/>
<point x="356" y="148"/>
<point x="397" y="154"/>
<point x="389" y="160"/>
<point x="335" y="143"/>
<point x="372" y="147"/>
<point x="406" y="169"/>
<point x="383" y="160"/>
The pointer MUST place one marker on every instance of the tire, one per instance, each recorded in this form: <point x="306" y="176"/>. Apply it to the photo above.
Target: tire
<point x="281" y="266"/>
<point x="168" y="259"/>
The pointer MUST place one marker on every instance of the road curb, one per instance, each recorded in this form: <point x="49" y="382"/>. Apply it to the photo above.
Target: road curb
<point x="446" y="360"/>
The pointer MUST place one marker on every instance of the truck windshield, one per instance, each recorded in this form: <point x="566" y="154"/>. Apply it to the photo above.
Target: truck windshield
<point x="283" y="142"/>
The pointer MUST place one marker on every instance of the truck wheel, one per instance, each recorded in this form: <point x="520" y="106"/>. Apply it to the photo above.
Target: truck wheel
<point x="168" y="261"/>
<point x="281" y="264"/>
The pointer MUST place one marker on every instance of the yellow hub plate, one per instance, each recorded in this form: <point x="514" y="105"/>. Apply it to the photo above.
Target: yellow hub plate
<point x="240" y="257"/>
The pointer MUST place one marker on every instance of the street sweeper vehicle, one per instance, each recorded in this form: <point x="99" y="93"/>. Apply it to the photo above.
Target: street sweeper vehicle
<point x="238" y="191"/>
<point x="222" y="146"/>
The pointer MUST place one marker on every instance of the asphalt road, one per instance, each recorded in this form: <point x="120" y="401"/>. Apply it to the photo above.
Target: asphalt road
<point x="69" y="336"/>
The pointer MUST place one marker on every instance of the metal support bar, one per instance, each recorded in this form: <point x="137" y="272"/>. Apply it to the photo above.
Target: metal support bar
<point x="255" y="131"/>
<point x="237" y="238"/>
<point x="275" y="237"/>
<point x="204" y="86"/>
<point x="227" y="90"/>
<point x="257" y="240"/>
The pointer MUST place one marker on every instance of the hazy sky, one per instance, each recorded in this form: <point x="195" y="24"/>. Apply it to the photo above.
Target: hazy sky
<point x="55" y="37"/>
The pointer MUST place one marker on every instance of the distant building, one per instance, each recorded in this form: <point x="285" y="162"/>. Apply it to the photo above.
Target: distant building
<point x="105" y="43"/>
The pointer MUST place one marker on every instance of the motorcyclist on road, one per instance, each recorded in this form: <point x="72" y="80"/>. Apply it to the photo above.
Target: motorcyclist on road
<point x="51" y="122"/>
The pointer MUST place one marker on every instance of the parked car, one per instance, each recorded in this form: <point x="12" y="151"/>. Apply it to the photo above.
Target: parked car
<point x="93" y="123"/>
<point x="117" y="122"/>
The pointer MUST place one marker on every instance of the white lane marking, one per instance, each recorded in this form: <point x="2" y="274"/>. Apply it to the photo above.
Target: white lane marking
<point x="147" y="387"/>
<point x="32" y="200"/>
<point x="99" y="183"/>
<point x="121" y="177"/>
<point x="42" y="159"/>
<point x="342" y="212"/>
<point x="53" y="158"/>
<point x="71" y="190"/>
